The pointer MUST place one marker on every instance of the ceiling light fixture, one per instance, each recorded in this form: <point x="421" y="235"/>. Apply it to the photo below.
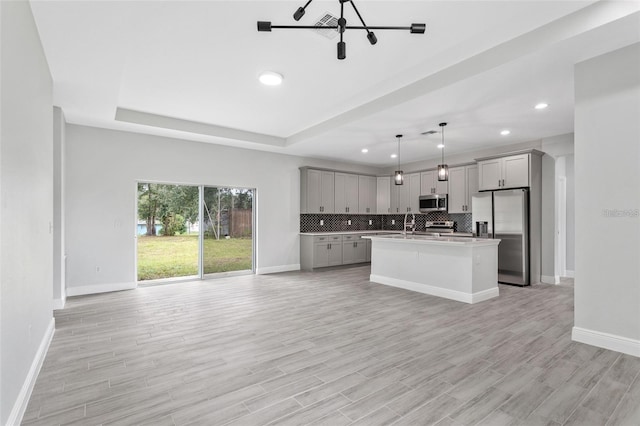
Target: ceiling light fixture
<point x="265" y="26"/>
<point x="398" y="175"/>
<point x="270" y="78"/>
<point x="365" y="150"/>
<point x="394" y="155"/>
<point x="505" y="132"/>
<point x="541" y="105"/>
<point x="440" y="145"/>
<point x="443" y="169"/>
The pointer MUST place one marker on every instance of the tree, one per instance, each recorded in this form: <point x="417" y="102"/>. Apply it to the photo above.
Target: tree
<point x="170" y="204"/>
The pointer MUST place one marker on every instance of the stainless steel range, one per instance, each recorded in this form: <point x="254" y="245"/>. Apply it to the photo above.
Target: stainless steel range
<point x="439" y="227"/>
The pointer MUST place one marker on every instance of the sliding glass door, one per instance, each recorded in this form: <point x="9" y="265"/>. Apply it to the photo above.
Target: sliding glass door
<point x="167" y="231"/>
<point x="227" y="230"/>
<point x="193" y="231"/>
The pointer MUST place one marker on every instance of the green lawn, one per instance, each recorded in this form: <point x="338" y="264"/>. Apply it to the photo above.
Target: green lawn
<point x="167" y="257"/>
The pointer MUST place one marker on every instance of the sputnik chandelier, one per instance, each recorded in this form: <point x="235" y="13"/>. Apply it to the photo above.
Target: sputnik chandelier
<point x="341" y="27"/>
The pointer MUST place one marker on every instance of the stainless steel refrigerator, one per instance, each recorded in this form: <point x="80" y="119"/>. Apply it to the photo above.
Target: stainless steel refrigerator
<point x="507" y="216"/>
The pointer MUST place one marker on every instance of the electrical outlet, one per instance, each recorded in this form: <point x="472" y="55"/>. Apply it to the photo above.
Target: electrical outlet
<point x="370" y="222"/>
<point x="393" y="221"/>
<point x="321" y="222"/>
<point x="349" y="222"/>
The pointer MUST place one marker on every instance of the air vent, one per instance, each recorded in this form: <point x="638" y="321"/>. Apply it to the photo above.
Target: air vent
<point x="429" y="132"/>
<point x="326" y="20"/>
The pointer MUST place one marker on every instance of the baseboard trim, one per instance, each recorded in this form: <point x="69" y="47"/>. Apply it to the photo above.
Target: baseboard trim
<point x="99" y="288"/>
<point x="58" y="304"/>
<point x="458" y="296"/>
<point x="276" y="269"/>
<point x="20" y="406"/>
<point x="570" y="274"/>
<point x="606" y="341"/>
<point x="550" y="279"/>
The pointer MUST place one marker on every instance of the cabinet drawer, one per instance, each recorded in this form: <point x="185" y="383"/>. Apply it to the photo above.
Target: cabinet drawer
<point x="349" y="237"/>
<point x="327" y="238"/>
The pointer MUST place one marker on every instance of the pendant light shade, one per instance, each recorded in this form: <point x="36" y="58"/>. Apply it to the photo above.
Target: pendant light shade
<point x="443" y="169"/>
<point x="398" y="176"/>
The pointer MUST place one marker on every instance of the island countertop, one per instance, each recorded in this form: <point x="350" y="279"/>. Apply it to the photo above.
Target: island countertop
<point x="431" y="240"/>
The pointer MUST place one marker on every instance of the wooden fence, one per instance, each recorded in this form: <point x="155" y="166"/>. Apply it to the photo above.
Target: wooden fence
<point x="240" y="223"/>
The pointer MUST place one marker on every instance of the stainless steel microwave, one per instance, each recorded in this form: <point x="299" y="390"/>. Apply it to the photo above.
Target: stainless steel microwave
<point x="433" y="203"/>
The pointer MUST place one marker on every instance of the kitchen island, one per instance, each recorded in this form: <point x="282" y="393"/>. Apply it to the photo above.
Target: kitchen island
<point x="462" y="269"/>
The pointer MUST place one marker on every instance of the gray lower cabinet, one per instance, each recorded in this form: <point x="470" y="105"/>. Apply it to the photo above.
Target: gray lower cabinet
<point x="319" y="251"/>
<point x="354" y="249"/>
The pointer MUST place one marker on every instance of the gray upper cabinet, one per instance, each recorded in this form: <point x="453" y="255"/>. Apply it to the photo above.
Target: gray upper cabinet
<point x="346" y="193"/>
<point x="367" y="195"/>
<point x="383" y="198"/>
<point x="429" y="183"/>
<point x="463" y="183"/>
<point x="505" y="172"/>
<point x="405" y="197"/>
<point x="317" y="191"/>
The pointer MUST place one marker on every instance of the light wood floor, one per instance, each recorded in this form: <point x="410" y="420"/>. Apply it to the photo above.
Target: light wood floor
<point x="327" y="348"/>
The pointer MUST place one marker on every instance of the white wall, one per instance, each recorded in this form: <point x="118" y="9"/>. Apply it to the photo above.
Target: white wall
<point x="26" y="200"/>
<point x="59" y="292"/>
<point x="557" y="164"/>
<point x="571" y="214"/>
<point x="103" y="166"/>
<point x="607" y="168"/>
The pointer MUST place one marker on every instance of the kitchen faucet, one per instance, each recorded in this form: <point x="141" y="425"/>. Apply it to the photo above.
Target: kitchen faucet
<point x="412" y="225"/>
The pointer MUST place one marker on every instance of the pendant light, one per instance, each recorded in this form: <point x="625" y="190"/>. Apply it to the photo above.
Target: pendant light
<point x="398" y="176"/>
<point x="443" y="169"/>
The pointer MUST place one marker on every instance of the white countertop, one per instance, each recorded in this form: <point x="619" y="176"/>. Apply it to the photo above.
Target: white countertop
<point x="426" y="239"/>
<point x="379" y="231"/>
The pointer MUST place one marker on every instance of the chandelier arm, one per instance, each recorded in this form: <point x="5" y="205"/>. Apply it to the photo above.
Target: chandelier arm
<point x="335" y="27"/>
<point x="359" y="16"/>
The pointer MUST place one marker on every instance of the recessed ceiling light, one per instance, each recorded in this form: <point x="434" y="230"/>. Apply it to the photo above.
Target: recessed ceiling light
<point x="270" y="78"/>
<point x="541" y="105"/>
<point x="365" y="150"/>
<point x="505" y="132"/>
<point x="440" y="145"/>
<point x="394" y="155"/>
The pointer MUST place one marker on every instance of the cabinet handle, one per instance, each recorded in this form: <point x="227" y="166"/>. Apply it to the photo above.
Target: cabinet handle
<point x="503" y="182"/>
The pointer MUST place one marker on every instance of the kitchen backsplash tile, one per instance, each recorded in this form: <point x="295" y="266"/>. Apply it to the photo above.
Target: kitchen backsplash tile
<point x="339" y="222"/>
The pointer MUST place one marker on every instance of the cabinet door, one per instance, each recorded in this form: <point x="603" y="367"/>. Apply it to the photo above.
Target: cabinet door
<point x="340" y="193"/>
<point x="314" y="191"/>
<point x="427" y="183"/>
<point x="367" y="194"/>
<point x="351" y="193"/>
<point x="320" y="255"/>
<point x="457" y="190"/>
<point x="414" y="193"/>
<point x="515" y="171"/>
<point x="328" y="191"/>
<point x="368" y="254"/>
<point x="395" y="197"/>
<point x="360" y="251"/>
<point x="404" y="195"/>
<point x="335" y="254"/>
<point x="348" y="253"/>
<point x="383" y="195"/>
<point x="472" y="185"/>
<point x="490" y="174"/>
<point x="373" y="188"/>
<point x="441" y="187"/>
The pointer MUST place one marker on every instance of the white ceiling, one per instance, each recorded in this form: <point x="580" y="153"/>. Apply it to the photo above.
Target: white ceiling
<point x="189" y="70"/>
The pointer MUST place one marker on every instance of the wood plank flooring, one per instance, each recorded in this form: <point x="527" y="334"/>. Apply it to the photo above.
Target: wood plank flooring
<point x="327" y="348"/>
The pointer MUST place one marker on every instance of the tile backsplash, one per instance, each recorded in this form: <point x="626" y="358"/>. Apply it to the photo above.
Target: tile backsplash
<point x="360" y="222"/>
